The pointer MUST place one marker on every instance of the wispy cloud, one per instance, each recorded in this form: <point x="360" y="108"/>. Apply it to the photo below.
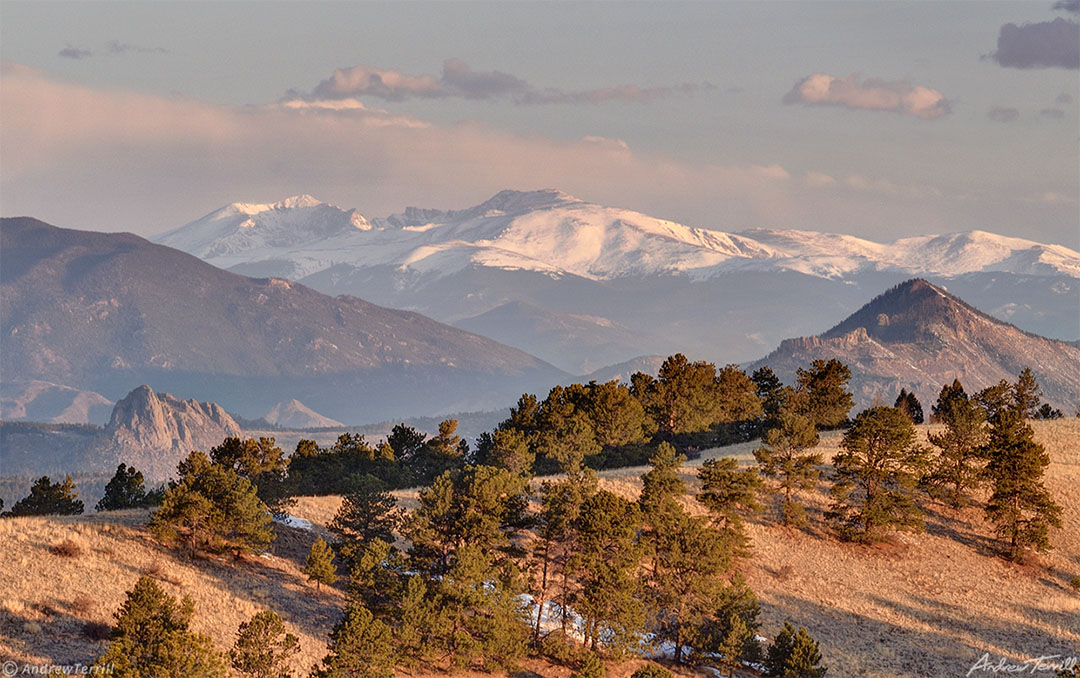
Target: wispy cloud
<point x="459" y="80"/>
<point x="1048" y="44"/>
<point x="1054" y="113"/>
<point x="72" y="52"/>
<point x="821" y="89"/>
<point x="1000" y="114"/>
<point x="111" y="48"/>
<point x="1068" y="5"/>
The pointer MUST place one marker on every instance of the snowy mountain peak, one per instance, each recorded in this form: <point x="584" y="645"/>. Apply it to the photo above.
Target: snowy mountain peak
<point x="244" y="227"/>
<point x="553" y="233"/>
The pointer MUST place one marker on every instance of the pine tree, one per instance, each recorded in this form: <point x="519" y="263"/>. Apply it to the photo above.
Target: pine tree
<point x="125" y="490"/>
<point x="958" y="467"/>
<point x="368" y="511"/>
<point x="771" y="392"/>
<point x="1026" y="394"/>
<point x="876" y="474"/>
<point x="49" y="498"/>
<point x="737" y="394"/>
<point x="684" y="397"/>
<point x="949" y="393"/>
<point x="152" y="640"/>
<point x="1019" y="505"/>
<point x="212" y="508"/>
<point x="688" y="556"/>
<point x="910" y="405"/>
<point x="995" y="398"/>
<point x="821" y="393"/>
<point x="263" y="648"/>
<point x="730" y="647"/>
<point x="617" y="417"/>
<point x="783" y="458"/>
<point x="794" y="655"/>
<point x="319" y="566"/>
<point x="606" y="559"/>
<point x="591" y="667"/>
<point x="556" y="532"/>
<point x="730" y="495"/>
<point x="361" y="646"/>
<point x="510" y="449"/>
<point x="734" y="599"/>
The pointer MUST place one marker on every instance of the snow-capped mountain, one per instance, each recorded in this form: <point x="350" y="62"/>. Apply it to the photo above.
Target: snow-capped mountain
<point x="554" y="233"/>
<point x="719" y="295"/>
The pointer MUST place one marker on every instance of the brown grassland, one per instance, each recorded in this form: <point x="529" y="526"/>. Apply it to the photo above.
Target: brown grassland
<point x="927" y="604"/>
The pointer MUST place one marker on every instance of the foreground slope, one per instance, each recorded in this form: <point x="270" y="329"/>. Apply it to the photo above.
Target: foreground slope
<point x="923" y="605"/>
<point x="919" y="337"/>
<point x="106" y="312"/>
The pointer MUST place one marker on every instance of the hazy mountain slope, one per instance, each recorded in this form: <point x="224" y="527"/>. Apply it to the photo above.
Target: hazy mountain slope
<point x="52" y="403"/>
<point x="109" y="311"/>
<point x="576" y="343"/>
<point x="919" y="337"/>
<point x="295" y="414"/>
<point x="721" y="296"/>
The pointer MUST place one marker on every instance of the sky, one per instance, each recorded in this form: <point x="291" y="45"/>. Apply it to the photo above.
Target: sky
<point x="878" y="119"/>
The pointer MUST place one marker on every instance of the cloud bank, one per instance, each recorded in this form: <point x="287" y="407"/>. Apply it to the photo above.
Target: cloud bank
<point x="461" y="81"/>
<point x="1049" y="44"/>
<point x="821" y="89"/>
<point x="143" y="163"/>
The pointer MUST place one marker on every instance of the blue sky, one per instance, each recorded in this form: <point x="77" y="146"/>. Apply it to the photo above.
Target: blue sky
<point x="878" y="119"/>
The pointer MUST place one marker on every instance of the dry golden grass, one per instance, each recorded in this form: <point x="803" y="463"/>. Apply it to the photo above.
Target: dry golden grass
<point x="925" y="604"/>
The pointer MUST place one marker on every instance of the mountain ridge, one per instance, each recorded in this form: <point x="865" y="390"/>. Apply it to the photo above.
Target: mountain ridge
<point x="919" y="337"/>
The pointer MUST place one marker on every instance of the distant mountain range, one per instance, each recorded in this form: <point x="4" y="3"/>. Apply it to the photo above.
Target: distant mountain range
<point x="107" y="312"/>
<point x="918" y="337"/>
<point x="582" y="285"/>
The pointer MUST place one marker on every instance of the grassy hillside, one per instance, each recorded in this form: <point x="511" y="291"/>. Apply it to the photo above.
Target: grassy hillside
<point x="921" y="605"/>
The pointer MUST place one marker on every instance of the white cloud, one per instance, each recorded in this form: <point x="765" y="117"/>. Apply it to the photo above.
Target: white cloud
<point x="821" y="89"/>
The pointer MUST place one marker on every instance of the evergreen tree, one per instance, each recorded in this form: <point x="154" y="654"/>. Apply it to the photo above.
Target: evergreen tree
<point x="617" y="417"/>
<point x="688" y="556"/>
<point x="909" y="405"/>
<point x="1020" y="506"/>
<point x="996" y="398"/>
<point x="771" y="392"/>
<point x="361" y="646"/>
<point x="556" y="532"/>
<point x="1046" y="411"/>
<point x="368" y="511"/>
<point x="684" y="397"/>
<point x="1026" y="394"/>
<point x="606" y="558"/>
<point x="794" y="655"/>
<point x="731" y="644"/>
<point x="48" y="498"/>
<point x="591" y="667"/>
<point x="212" y="508"/>
<point x="730" y="495"/>
<point x="876" y="473"/>
<point x="510" y="449"/>
<point x="125" y="490"/>
<point x="249" y="458"/>
<point x="263" y="648"/>
<point x="737" y="394"/>
<point x="319" y="566"/>
<point x="464" y="545"/>
<point x="152" y="640"/>
<point x="783" y="457"/>
<point x="734" y="600"/>
<point x="565" y="435"/>
<point x="821" y="393"/>
<point x="958" y="467"/>
<point x="949" y="393"/>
